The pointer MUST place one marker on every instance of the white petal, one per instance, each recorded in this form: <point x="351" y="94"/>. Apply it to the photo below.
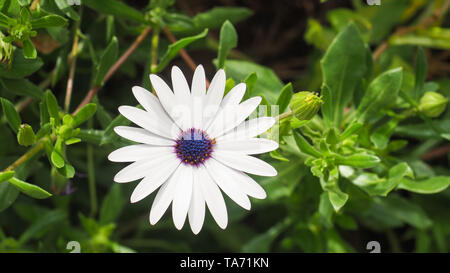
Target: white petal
<point x="245" y="163"/>
<point x="142" y="136"/>
<point x="168" y="100"/>
<point x="183" y="195"/>
<point x="162" y="200"/>
<point x="249" y="129"/>
<point x="138" y="152"/>
<point x="197" y="208"/>
<point x="213" y="197"/>
<point x="214" y="97"/>
<point x="198" y="82"/>
<point x="235" y="95"/>
<point x="182" y="96"/>
<point x="248" y="185"/>
<point x="142" y="168"/>
<point x="221" y="175"/>
<point x="154" y="178"/>
<point x="151" y="104"/>
<point x="198" y="96"/>
<point x="148" y="122"/>
<point x="232" y="116"/>
<point x="247" y="146"/>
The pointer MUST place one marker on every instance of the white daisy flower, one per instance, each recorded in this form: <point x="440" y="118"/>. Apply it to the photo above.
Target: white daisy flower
<point x="193" y="145"/>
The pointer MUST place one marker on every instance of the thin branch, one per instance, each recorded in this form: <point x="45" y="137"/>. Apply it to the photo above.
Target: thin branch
<point x="187" y="59"/>
<point x="93" y="91"/>
<point x="436" y="153"/>
<point x="424" y="23"/>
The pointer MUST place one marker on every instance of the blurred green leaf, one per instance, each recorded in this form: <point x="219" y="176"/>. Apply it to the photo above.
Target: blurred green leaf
<point x="22" y="87"/>
<point x="12" y="116"/>
<point x="421" y="73"/>
<point x="46" y="221"/>
<point x="285" y="97"/>
<point x="57" y="159"/>
<point x="109" y="56"/>
<point x="4" y="176"/>
<point x="174" y="48"/>
<point x="117" y="8"/>
<point x="28" y="49"/>
<point x="8" y="194"/>
<point x="228" y="40"/>
<point x="29" y="189"/>
<point x="49" y="21"/>
<point x="52" y="106"/>
<point x="84" y="114"/>
<point x="358" y="160"/>
<point x="267" y="83"/>
<point x="425" y="186"/>
<point x="112" y="205"/>
<point x="305" y="147"/>
<point x="381" y="93"/>
<point x="215" y="17"/>
<point x="67" y="9"/>
<point x="343" y="66"/>
<point x="21" y="67"/>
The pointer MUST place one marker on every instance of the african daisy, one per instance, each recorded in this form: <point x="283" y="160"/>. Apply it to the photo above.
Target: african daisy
<point x="193" y="145"/>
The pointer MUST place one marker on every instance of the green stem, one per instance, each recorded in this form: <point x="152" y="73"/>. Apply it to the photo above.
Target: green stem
<point x="91" y="177"/>
<point x="155" y="42"/>
<point x="287" y="114"/>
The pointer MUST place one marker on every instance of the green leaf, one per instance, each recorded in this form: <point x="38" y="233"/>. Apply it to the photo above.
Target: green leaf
<point x="228" y="41"/>
<point x="49" y="21"/>
<point x="305" y="147"/>
<point x="112" y="205"/>
<point x="22" y="87"/>
<point x="52" y="106"/>
<point x="358" y="160"/>
<point x="174" y="48"/>
<point x="8" y="194"/>
<point x="57" y="159"/>
<point x="381" y="92"/>
<point x="380" y="137"/>
<point x="29" y="189"/>
<point x="84" y="114"/>
<point x="262" y="242"/>
<point x="109" y="135"/>
<point x="20" y="67"/>
<point x="67" y="9"/>
<point x="405" y="211"/>
<point x="336" y="196"/>
<point x="267" y="84"/>
<point x="50" y="219"/>
<point x="421" y="73"/>
<point x="6" y="175"/>
<point x="117" y="8"/>
<point x="250" y="82"/>
<point x="327" y="106"/>
<point x="107" y="59"/>
<point x="374" y="185"/>
<point x="215" y="17"/>
<point x="426" y="186"/>
<point x="343" y="66"/>
<point x="28" y="49"/>
<point x="285" y="97"/>
<point x="11" y="114"/>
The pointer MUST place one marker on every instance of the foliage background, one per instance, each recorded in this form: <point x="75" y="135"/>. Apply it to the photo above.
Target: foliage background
<point x="282" y="41"/>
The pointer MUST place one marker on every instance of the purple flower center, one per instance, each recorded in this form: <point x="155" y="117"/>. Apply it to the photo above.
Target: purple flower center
<point x="194" y="146"/>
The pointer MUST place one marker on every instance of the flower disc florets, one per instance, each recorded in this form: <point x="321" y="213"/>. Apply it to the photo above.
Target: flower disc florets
<point x="194" y="146"/>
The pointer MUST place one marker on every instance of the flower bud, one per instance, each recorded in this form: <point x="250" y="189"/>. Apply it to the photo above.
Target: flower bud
<point x="65" y="131"/>
<point x="26" y="136"/>
<point x="433" y="104"/>
<point x="305" y="105"/>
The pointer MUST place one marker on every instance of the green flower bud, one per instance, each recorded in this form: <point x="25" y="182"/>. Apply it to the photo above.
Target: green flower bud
<point x="305" y="105"/>
<point x="65" y="131"/>
<point x="433" y="104"/>
<point x="26" y="136"/>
